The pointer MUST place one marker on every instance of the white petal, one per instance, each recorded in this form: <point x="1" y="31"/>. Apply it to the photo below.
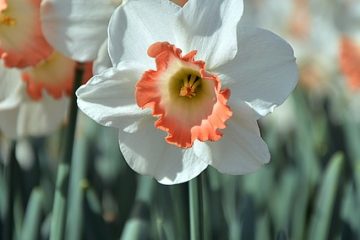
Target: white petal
<point x="264" y="71"/>
<point x="109" y="98"/>
<point x="76" y="28"/>
<point x="34" y="118"/>
<point x="8" y="125"/>
<point x="138" y="24"/>
<point x="209" y="26"/>
<point x="102" y="61"/>
<point x="41" y="118"/>
<point x="147" y="152"/>
<point x="241" y="149"/>
<point x="11" y="87"/>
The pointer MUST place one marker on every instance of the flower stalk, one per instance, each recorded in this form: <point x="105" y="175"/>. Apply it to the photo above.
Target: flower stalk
<point x="196" y="208"/>
<point x="62" y="180"/>
<point x="10" y="198"/>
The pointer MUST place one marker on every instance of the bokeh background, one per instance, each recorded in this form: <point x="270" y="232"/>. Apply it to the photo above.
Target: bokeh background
<point x="309" y="190"/>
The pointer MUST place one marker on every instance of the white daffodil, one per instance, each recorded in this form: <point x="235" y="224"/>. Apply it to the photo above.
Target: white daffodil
<point x="187" y="87"/>
<point x="22" y="116"/>
<point x="22" y="43"/>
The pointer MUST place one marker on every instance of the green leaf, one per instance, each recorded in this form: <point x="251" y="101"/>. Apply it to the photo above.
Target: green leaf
<point x="31" y="226"/>
<point x="320" y="221"/>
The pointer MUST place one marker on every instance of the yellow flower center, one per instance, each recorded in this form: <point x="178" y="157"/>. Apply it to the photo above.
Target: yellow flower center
<point x="190" y="84"/>
<point x="7" y="20"/>
<point x="186" y="84"/>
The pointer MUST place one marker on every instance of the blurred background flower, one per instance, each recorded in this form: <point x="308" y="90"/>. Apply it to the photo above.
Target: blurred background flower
<point x="20" y="114"/>
<point x="22" y="43"/>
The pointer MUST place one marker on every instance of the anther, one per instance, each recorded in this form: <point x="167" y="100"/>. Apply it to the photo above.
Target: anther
<point x="6" y="20"/>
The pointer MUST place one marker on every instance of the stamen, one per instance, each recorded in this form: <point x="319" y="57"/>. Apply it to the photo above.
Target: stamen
<point x="192" y="79"/>
<point x="7" y="20"/>
<point x="190" y="83"/>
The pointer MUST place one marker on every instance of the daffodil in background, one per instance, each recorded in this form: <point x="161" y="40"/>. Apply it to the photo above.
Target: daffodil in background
<point x="187" y="87"/>
<point x="35" y="89"/>
<point x="34" y="100"/>
<point x="22" y="43"/>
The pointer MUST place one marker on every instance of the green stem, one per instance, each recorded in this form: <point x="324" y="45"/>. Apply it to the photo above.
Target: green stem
<point x="10" y="198"/>
<point x="204" y="204"/>
<point x="62" y="179"/>
<point x="196" y="208"/>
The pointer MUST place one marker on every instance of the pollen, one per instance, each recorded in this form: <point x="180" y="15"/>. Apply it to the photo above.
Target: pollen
<point x="7" y="20"/>
<point x="190" y="86"/>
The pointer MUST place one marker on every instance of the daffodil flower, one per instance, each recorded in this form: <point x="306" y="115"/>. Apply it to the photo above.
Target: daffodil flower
<point x="187" y="87"/>
<point x="33" y="100"/>
<point x="22" y="43"/>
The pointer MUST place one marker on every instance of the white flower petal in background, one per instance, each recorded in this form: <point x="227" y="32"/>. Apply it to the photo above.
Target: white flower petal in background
<point x="146" y="152"/>
<point x="263" y="73"/>
<point x="10" y="88"/>
<point x="283" y="119"/>
<point x="76" y="28"/>
<point x="19" y="115"/>
<point x="138" y="24"/>
<point x="34" y="118"/>
<point x="209" y="24"/>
